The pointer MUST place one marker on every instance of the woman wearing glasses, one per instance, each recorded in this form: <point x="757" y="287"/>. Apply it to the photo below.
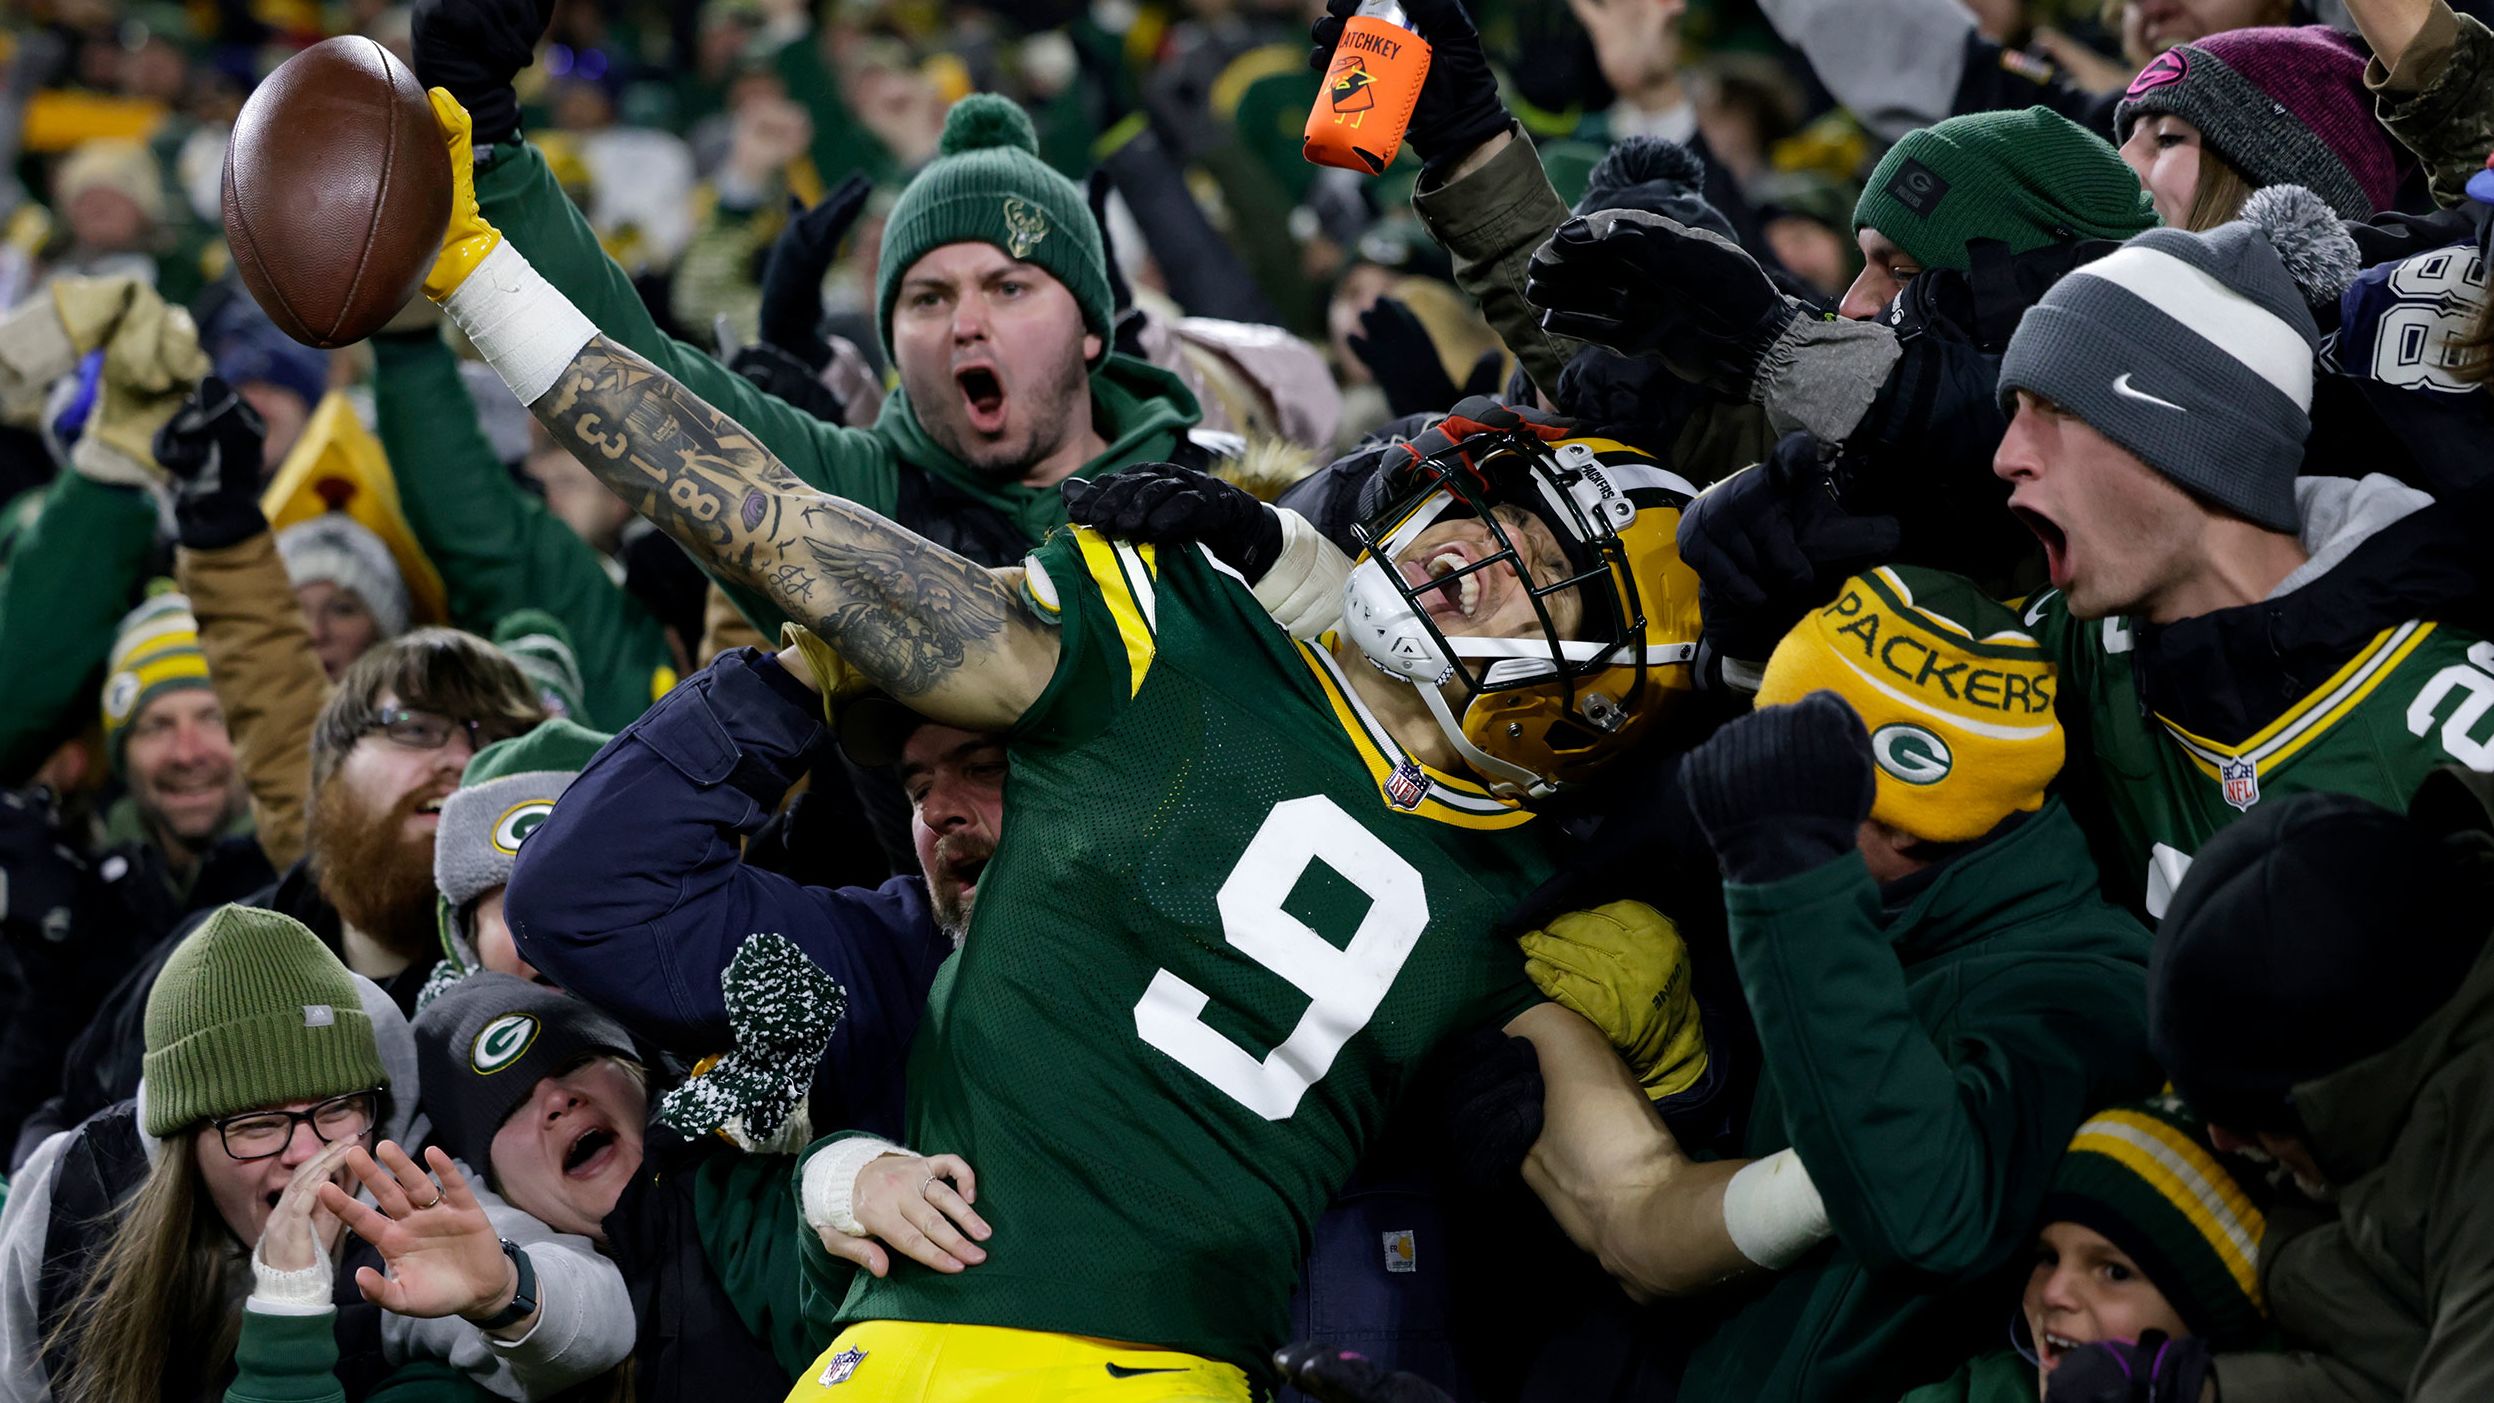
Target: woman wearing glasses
<point x="176" y="1247"/>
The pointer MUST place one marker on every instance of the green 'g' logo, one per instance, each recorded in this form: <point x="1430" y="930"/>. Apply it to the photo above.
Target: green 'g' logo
<point x="501" y="1042"/>
<point x="517" y="822"/>
<point x="1911" y="754"/>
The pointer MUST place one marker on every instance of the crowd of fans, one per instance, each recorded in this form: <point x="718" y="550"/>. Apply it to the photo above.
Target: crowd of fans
<point x="473" y="923"/>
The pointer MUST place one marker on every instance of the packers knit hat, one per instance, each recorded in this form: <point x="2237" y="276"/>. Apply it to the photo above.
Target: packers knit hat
<point x="538" y="643"/>
<point x="2144" y="1176"/>
<point x="507" y="790"/>
<point x="2027" y="179"/>
<point x="336" y="548"/>
<point x="2192" y="351"/>
<point x="987" y="185"/>
<point x="1958" y="699"/>
<point x="251" y="1010"/>
<point x="484" y="1044"/>
<point x="2281" y="106"/>
<point x="155" y="651"/>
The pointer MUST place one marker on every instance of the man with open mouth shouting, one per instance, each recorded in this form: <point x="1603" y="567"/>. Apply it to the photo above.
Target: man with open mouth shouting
<point x="992" y="296"/>
<point x="2227" y="630"/>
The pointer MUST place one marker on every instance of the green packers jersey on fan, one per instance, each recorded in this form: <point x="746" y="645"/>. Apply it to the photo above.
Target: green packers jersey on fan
<point x="1227" y="917"/>
<point x="2416" y="696"/>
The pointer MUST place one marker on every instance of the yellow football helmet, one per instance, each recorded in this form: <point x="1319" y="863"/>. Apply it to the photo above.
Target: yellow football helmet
<point x="1532" y="715"/>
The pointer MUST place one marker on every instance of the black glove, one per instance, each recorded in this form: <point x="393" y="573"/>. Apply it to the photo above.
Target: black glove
<point x="1481" y="1096"/>
<point x="1330" y="1374"/>
<point x="43" y="881"/>
<point x="1163" y="502"/>
<point x="1458" y="107"/>
<point x="1767" y="545"/>
<point x="211" y="448"/>
<point x="475" y="48"/>
<point x="1647" y="285"/>
<point x="1397" y="350"/>
<point x="792" y="275"/>
<point x="780" y="373"/>
<point x="2155" y="1370"/>
<point x="1783" y="789"/>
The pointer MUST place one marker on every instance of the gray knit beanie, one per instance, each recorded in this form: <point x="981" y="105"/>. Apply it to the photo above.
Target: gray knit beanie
<point x="344" y="552"/>
<point x="2192" y="351"/>
<point x="508" y="789"/>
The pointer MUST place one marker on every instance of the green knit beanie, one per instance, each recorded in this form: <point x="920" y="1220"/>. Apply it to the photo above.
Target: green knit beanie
<point x="987" y="185"/>
<point x="504" y="794"/>
<point x="2144" y="1176"/>
<point x="252" y="1010"/>
<point x="2027" y="179"/>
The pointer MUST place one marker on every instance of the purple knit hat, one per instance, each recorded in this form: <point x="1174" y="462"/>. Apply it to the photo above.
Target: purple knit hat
<point x="2281" y="106"/>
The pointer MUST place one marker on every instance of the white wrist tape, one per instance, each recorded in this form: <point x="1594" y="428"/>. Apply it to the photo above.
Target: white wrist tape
<point x="304" y="1291"/>
<point x="1303" y="590"/>
<point x="830" y="1182"/>
<point x="1773" y="1211"/>
<point x="522" y="326"/>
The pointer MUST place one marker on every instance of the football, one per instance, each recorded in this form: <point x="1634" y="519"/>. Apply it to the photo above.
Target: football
<point x="337" y="190"/>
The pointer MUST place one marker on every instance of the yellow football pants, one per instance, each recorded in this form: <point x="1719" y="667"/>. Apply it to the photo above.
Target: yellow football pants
<point x="909" y="1361"/>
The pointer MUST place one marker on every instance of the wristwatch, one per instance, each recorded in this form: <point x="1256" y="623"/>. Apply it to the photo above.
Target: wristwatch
<point x="523" y="1300"/>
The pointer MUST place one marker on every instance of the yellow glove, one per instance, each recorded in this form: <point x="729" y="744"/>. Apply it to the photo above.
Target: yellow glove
<point x="833" y="676"/>
<point x="468" y="238"/>
<point x="1625" y="970"/>
<point x="152" y="360"/>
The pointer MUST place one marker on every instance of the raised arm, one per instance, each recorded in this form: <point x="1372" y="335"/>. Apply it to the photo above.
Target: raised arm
<point x="949" y="637"/>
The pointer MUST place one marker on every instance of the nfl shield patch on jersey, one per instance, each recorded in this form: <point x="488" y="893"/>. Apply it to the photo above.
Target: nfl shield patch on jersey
<point x="837" y="1369"/>
<point x="1407" y="786"/>
<point x="2241" y="779"/>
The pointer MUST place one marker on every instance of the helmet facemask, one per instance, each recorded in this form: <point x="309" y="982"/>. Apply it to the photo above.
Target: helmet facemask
<point x="1568" y="693"/>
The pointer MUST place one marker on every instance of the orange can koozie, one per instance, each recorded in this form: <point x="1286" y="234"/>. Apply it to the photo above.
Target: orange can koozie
<point x="1366" y="103"/>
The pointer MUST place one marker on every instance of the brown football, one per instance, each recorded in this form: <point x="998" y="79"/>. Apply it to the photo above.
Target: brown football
<point x="337" y="189"/>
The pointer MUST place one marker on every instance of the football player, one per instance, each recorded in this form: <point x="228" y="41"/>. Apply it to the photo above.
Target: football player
<point x="1248" y="880"/>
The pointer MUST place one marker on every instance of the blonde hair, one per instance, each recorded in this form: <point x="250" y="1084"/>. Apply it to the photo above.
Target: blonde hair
<point x="157" y="1315"/>
<point x="2221" y="195"/>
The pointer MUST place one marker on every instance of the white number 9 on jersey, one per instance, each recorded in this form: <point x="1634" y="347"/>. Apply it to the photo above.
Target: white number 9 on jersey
<point x="1344" y="985"/>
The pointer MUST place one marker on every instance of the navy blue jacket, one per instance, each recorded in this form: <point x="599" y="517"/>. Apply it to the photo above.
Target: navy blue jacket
<point x="634" y="894"/>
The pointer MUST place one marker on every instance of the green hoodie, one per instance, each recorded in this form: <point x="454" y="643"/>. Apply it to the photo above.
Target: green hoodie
<point x="1141" y="411"/>
<point x="1929" y="1064"/>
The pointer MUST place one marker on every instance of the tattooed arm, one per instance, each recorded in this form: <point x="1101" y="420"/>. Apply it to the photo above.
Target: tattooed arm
<point x="951" y="638"/>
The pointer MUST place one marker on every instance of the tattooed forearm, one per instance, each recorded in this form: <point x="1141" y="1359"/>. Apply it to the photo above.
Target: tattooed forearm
<point x="915" y="617"/>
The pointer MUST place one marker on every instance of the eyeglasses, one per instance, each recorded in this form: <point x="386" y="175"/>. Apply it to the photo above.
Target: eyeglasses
<point x="259" y="1134"/>
<point x="430" y="730"/>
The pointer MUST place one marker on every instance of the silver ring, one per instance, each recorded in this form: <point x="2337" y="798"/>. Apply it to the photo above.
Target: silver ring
<point x="436" y="1203"/>
<point x="930" y="1183"/>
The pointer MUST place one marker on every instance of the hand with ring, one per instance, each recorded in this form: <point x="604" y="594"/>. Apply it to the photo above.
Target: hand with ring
<point x="443" y="1254"/>
<point x="920" y="1207"/>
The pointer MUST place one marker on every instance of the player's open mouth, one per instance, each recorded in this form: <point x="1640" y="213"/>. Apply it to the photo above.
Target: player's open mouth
<point x="2056" y="542"/>
<point x="982" y="397"/>
<point x="1458" y="596"/>
<point x="592" y="1151"/>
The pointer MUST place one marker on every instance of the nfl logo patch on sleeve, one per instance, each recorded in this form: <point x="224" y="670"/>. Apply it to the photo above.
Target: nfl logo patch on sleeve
<point x="1400" y="1256"/>
<point x="838" y="1368"/>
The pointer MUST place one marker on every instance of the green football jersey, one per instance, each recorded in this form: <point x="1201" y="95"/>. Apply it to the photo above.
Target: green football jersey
<point x="1226" y="918"/>
<point x="2414" y="697"/>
